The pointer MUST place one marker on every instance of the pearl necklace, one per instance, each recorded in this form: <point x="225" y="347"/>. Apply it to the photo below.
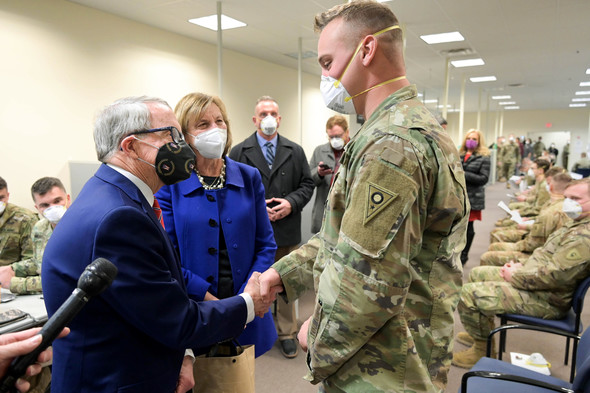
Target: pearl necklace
<point x="218" y="183"/>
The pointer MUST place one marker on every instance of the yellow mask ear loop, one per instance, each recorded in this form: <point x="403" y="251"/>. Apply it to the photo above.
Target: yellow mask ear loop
<point x="359" y="48"/>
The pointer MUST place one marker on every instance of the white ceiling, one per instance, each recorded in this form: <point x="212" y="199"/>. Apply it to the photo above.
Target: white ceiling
<point x="540" y="46"/>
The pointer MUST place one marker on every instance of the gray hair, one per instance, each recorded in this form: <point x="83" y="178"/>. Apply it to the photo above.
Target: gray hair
<point x="119" y="119"/>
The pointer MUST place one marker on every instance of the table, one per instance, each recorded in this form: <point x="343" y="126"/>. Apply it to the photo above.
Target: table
<point x="33" y="305"/>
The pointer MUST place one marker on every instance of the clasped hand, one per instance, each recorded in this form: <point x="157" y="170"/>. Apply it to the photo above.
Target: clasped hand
<point x="281" y="210"/>
<point x="262" y="292"/>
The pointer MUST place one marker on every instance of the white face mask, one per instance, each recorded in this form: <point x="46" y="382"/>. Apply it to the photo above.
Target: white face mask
<point x="337" y="143"/>
<point x="548" y="187"/>
<point x="530" y="172"/>
<point x="54" y="213"/>
<point x="2" y="207"/>
<point x="211" y="143"/>
<point x="336" y="97"/>
<point x="268" y="125"/>
<point x="572" y="208"/>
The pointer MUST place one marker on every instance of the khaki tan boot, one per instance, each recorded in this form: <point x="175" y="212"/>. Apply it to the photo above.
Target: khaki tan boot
<point x="467" y="358"/>
<point x="464" y="338"/>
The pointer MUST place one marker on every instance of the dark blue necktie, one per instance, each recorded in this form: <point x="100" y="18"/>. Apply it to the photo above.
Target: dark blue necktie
<point x="270" y="154"/>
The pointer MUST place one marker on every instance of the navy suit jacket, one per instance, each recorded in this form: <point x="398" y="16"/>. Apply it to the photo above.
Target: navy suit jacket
<point x="132" y="337"/>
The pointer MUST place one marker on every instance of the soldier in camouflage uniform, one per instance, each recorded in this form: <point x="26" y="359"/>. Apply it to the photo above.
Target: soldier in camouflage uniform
<point x="510" y="156"/>
<point x="16" y="224"/>
<point x="385" y="265"/>
<point x="51" y="200"/>
<point x="542" y="286"/>
<point x="551" y="219"/>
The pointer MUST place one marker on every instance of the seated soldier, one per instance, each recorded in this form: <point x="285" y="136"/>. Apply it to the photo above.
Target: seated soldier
<point x="551" y="219"/>
<point x="16" y="224"/>
<point x="542" y="286"/>
<point x="508" y="230"/>
<point x="51" y="200"/>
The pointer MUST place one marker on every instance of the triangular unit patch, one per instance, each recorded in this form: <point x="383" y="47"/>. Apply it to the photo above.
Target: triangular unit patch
<point x="377" y="199"/>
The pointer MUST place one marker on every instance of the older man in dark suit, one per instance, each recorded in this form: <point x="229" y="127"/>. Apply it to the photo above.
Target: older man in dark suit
<point x="133" y="336"/>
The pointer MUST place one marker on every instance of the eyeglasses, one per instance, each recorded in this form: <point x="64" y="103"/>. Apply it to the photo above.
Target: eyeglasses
<point x="174" y="133"/>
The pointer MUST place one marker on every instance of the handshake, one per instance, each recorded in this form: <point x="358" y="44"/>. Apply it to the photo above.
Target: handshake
<point x="263" y="288"/>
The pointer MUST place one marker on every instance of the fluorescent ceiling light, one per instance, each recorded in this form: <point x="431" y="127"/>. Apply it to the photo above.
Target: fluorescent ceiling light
<point x="582" y="93"/>
<point x="448" y="106"/>
<point x="585" y="99"/>
<point x="430" y="101"/>
<point x="210" y="22"/>
<point x="467" y="63"/>
<point x="584" y="83"/>
<point x="453" y="36"/>
<point x="507" y="103"/>
<point x="588" y="71"/>
<point x="482" y="79"/>
<point x="501" y="97"/>
<point x="511" y="107"/>
<point x="577" y="105"/>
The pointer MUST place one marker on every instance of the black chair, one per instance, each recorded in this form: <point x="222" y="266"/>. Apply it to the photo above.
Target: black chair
<point x="491" y="375"/>
<point x="570" y="326"/>
<point x="585" y="172"/>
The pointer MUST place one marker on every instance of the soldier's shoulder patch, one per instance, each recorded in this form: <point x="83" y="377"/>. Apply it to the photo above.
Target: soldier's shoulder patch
<point x="377" y="199"/>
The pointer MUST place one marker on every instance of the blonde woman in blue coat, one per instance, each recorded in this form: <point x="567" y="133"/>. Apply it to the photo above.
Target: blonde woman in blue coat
<point x="217" y="218"/>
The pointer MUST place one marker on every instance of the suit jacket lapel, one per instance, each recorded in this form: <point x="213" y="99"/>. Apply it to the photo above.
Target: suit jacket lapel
<point x="254" y="153"/>
<point x="282" y="154"/>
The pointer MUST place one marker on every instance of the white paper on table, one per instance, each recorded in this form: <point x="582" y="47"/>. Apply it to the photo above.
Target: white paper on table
<point x="575" y="176"/>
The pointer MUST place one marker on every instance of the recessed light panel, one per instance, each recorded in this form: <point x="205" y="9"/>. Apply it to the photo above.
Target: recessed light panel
<point x="467" y="63"/>
<point x="511" y="107"/>
<point x="477" y="79"/>
<point x="581" y="105"/>
<point x="585" y="99"/>
<point x="582" y="93"/>
<point x="453" y="36"/>
<point x="501" y="97"/>
<point x="210" y="22"/>
<point x="507" y="103"/>
<point x="584" y="84"/>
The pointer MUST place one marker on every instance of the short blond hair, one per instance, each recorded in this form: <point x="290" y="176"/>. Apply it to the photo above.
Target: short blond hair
<point x="193" y="105"/>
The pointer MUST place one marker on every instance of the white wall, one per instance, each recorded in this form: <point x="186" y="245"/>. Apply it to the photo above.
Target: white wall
<point x="62" y="62"/>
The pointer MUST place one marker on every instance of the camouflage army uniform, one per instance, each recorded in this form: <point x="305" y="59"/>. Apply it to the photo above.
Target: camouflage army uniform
<point x="16" y="224"/>
<point x="385" y="263"/>
<point x="543" y="287"/>
<point x="551" y="219"/>
<point x="514" y="234"/>
<point x="536" y="199"/>
<point x="510" y="156"/>
<point x="28" y="272"/>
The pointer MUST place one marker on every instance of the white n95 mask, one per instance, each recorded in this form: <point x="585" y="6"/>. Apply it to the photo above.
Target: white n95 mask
<point x="211" y="143"/>
<point x="2" y="207"/>
<point x="335" y="96"/>
<point x="337" y="143"/>
<point x="572" y="208"/>
<point x="54" y="213"/>
<point x="268" y="125"/>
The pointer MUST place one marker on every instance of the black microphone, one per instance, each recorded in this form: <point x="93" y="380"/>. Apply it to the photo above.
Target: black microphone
<point x="97" y="277"/>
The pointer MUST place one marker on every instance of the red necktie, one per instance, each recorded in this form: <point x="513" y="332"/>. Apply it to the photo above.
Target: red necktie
<point x="158" y="212"/>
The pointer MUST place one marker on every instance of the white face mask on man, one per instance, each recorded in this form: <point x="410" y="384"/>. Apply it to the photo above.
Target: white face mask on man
<point x="2" y="207"/>
<point x="54" y="213"/>
<point x="337" y="143"/>
<point x="572" y="208"/>
<point x="211" y="143"/>
<point x="268" y="125"/>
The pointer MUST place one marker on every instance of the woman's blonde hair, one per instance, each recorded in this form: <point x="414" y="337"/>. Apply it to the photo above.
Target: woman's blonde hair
<point x="193" y="105"/>
<point x="481" y="149"/>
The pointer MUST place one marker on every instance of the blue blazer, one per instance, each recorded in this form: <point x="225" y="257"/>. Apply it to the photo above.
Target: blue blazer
<point x="193" y="217"/>
<point x="132" y="337"/>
